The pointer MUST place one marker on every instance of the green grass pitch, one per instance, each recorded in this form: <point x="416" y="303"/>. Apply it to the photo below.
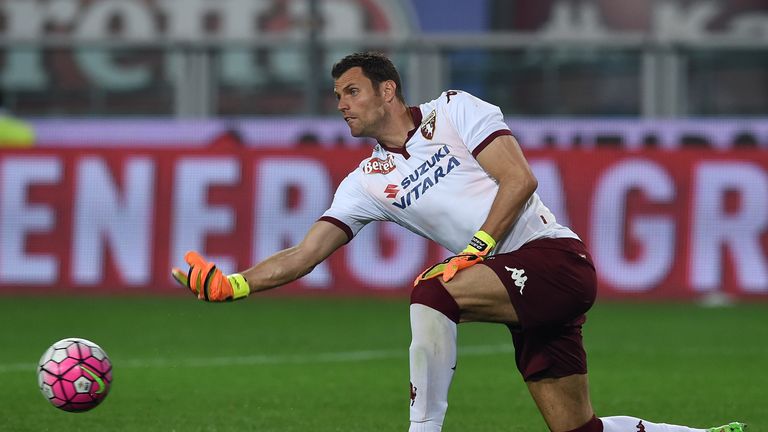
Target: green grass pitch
<point x="329" y="364"/>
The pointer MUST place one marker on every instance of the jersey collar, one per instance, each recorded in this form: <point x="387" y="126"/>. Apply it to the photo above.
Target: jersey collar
<point x="416" y="117"/>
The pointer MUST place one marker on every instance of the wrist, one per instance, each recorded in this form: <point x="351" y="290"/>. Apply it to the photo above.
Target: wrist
<point x="481" y="243"/>
<point x="240" y="287"/>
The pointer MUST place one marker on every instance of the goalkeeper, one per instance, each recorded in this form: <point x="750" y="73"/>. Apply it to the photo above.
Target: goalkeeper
<point x="451" y="171"/>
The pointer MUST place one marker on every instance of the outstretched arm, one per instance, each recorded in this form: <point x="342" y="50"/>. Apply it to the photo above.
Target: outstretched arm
<point x="322" y="239"/>
<point x="208" y="282"/>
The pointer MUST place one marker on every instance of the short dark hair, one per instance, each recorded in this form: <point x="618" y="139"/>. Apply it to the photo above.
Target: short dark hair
<point x="376" y="67"/>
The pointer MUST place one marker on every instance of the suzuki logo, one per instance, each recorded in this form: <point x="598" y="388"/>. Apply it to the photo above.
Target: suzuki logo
<point x="391" y="190"/>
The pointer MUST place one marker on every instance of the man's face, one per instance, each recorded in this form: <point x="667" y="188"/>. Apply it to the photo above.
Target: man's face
<point x="361" y="105"/>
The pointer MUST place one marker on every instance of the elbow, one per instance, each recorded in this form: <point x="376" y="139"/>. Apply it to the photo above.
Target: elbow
<point x="521" y="187"/>
<point x="530" y="185"/>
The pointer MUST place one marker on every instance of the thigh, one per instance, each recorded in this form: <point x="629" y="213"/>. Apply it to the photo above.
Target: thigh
<point x="541" y="292"/>
<point x="549" y="281"/>
<point x="546" y="282"/>
<point x="563" y="402"/>
<point x="481" y="296"/>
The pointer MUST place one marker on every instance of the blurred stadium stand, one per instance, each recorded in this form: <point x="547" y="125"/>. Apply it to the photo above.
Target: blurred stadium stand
<point x="601" y="58"/>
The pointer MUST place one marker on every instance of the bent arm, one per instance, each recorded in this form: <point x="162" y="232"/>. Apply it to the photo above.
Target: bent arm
<point x="504" y="160"/>
<point x="290" y="264"/>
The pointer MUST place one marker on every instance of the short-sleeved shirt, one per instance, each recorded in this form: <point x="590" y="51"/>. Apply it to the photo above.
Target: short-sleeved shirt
<point x="434" y="186"/>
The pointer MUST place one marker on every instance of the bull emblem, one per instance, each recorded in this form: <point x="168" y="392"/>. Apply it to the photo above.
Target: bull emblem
<point x="428" y="126"/>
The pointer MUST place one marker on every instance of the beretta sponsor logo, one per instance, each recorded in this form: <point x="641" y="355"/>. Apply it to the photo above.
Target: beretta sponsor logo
<point x="378" y="166"/>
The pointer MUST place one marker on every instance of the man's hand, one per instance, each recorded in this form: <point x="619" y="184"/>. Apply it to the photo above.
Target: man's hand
<point x="208" y="282"/>
<point x="474" y="253"/>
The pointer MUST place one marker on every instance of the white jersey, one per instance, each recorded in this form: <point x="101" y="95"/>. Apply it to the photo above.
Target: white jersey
<point x="434" y="186"/>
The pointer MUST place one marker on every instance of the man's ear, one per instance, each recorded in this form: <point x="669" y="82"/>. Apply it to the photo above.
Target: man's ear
<point x="389" y="90"/>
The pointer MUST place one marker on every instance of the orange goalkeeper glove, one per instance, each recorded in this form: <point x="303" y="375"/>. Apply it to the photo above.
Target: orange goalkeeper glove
<point x="478" y="248"/>
<point x="209" y="283"/>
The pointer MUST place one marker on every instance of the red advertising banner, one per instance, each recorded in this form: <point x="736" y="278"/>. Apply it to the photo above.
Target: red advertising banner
<point x="660" y="224"/>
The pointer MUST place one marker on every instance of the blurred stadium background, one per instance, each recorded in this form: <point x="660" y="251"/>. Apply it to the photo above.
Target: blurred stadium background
<point x="134" y="130"/>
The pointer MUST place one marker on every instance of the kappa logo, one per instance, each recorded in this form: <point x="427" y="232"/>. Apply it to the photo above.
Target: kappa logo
<point x="391" y="190"/>
<point x="378" y="166"/>
<point x="518" y="275"/>
<point x="640" y="427"/>
<point x="428" y="126"/>
<point x="413" y="394"/>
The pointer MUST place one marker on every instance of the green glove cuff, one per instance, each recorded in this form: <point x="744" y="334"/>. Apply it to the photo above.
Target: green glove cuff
<point x="481" y="243"/>
<point x="240" y="288"/>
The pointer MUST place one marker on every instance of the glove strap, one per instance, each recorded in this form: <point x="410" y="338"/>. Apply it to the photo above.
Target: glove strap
<point x="481" y="243"/>
<point x="240" y="288"/>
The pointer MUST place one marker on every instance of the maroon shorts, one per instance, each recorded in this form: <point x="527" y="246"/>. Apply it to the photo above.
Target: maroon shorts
<point x="551" y="283"/>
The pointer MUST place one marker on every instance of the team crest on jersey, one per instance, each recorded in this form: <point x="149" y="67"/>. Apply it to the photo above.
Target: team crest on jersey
<point x="379" y="166"/>
<point x="428" y="126"/>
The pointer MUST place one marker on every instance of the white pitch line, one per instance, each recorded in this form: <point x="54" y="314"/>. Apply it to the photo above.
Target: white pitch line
<point x="328" y="357"/>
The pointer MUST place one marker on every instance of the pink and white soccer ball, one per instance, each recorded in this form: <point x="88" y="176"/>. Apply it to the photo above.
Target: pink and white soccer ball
<point x="74" y="374"/>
